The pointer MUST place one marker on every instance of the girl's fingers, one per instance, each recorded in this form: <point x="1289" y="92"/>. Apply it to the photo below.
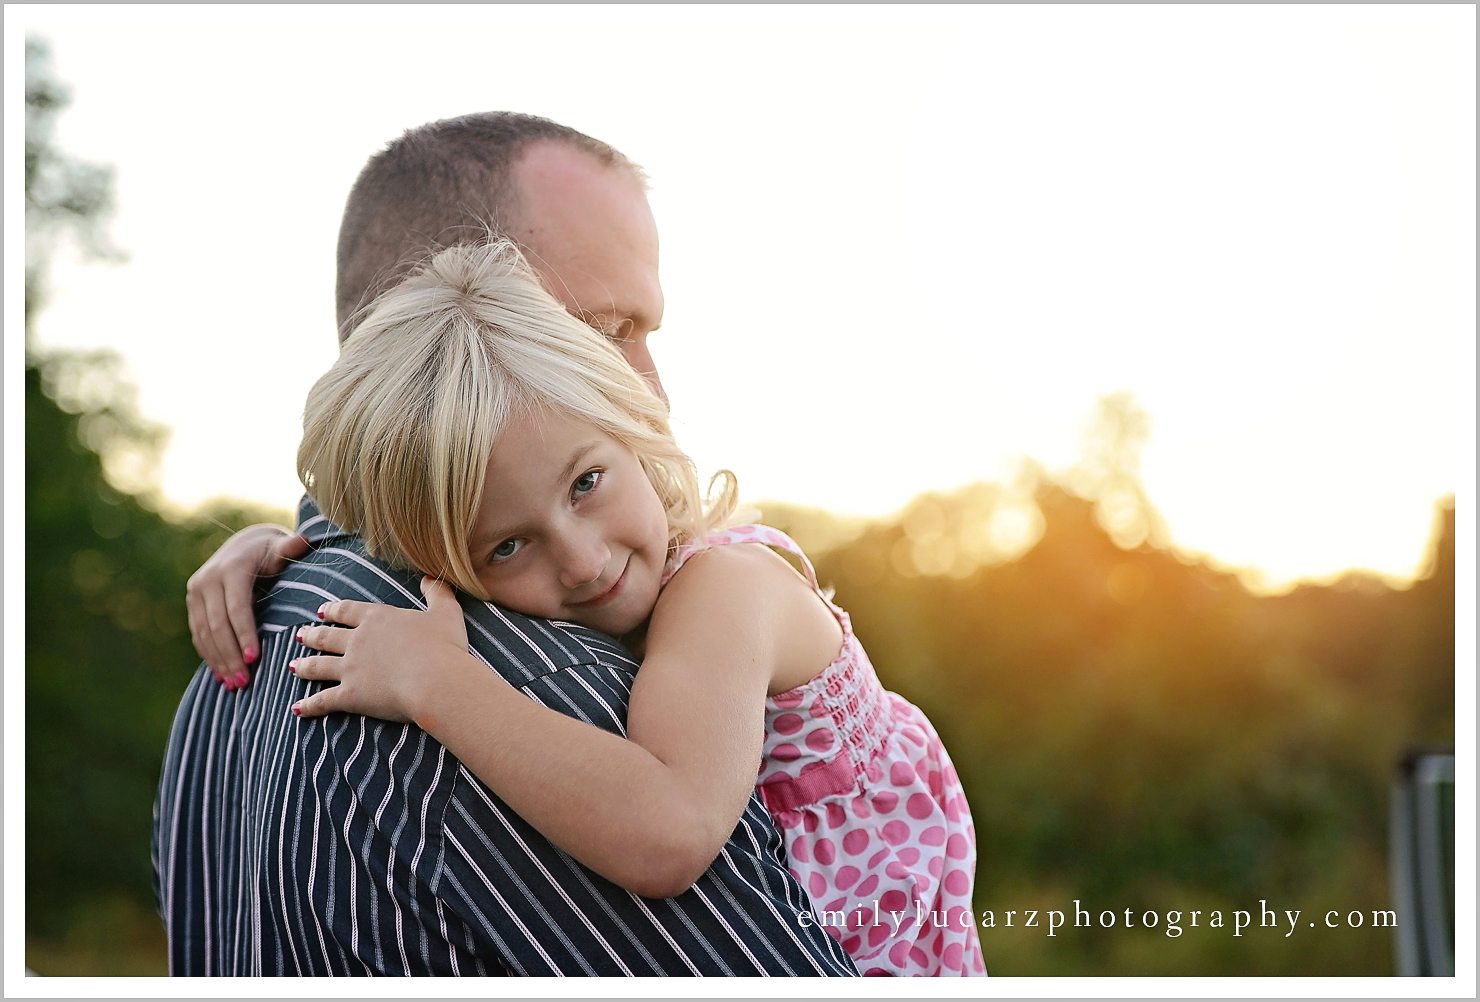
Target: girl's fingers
<point x="238" y="606"/>
<point x="318" y="704"/>
<point x="225" y="662"/>
<point x="331" y="639"/>
<point x="435" y="589"/>
<point x="318" y="669"/>
<point x="345" y="612"/>
<point x="200" y="636"/>
<point x="282" y="553"/>
<point x="441" y="599"/>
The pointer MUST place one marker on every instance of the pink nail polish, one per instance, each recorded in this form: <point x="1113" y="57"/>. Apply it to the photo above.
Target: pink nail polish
<point x="320" y="613"/>
<point x="299" y="637"/>
<point x="242" y="678"/>
<point x="297" y="712"/>
<point x="293" y="666"/>
<point x="249" y="656"/>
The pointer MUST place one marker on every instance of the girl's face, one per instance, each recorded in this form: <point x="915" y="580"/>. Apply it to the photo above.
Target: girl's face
<point x="570" y="526"/>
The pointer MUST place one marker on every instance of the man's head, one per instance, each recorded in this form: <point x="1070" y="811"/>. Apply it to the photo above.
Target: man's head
<point x="577" y="208"/>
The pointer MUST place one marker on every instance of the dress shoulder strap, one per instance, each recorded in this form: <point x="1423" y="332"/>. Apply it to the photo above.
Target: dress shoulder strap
<point x="762" y="534"/>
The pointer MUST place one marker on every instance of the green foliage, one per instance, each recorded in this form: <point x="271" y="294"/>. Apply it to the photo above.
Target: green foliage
<point x="107" y="655"/>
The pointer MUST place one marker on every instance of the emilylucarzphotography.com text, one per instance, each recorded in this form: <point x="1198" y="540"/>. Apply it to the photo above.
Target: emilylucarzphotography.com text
<point x="1051" y="921"/>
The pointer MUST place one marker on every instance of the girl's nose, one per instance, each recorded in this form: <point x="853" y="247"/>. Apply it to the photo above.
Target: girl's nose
<point x="583" y="560"/>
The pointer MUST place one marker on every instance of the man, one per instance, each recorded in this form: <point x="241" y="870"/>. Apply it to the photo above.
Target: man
<point x="347" y="845"/>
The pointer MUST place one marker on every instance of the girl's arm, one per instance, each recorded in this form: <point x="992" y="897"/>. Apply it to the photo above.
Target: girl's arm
<point x="649" y="813"/>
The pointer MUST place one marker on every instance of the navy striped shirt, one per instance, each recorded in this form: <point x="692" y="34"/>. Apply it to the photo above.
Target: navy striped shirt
<point x="349" y="845"/>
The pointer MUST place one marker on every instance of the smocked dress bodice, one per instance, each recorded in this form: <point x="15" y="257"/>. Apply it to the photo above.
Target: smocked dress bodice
<point x="874" y="817"/>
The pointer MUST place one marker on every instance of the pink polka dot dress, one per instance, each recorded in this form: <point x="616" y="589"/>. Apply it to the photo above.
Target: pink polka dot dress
<point x="873" y="815"/>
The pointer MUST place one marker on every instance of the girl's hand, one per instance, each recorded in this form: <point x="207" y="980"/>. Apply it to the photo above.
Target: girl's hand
<point x="389" y="658"/>
<point x="218" y="598"/>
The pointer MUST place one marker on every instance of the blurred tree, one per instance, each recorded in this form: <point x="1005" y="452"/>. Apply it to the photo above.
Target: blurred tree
<point x="107" y="653"/>
<point x="65" y="200"/>
<point x="1109" y="472"/>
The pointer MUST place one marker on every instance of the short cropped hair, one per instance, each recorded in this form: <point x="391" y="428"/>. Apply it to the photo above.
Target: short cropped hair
<point x="398" y="434"/>
<point x="444" y="183"/>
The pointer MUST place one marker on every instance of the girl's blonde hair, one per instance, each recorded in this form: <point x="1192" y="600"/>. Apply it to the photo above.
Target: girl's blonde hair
<point x="397" y="435"/>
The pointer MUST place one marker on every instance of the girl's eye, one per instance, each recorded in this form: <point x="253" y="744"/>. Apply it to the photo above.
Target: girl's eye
<point x="506" y="549"/>
<point x="585" y="483"/>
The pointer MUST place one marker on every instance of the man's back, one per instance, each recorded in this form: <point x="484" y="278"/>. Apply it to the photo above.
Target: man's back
<point x="347" y="845"/>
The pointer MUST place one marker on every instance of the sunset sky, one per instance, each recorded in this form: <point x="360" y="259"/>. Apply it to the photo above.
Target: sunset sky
<point x="902" y="248"/>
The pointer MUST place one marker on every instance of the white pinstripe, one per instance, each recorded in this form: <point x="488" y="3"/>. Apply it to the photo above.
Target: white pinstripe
<point x="390" y="872"/>
<point x="349" y="817"/>
<point x="555" y="885"/>
<point x="313" y="858"/>
<point x="282" y="854"/>
<point x="514" y="913"/>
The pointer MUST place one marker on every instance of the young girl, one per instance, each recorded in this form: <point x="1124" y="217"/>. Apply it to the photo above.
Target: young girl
<point x="474" y="430"/>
